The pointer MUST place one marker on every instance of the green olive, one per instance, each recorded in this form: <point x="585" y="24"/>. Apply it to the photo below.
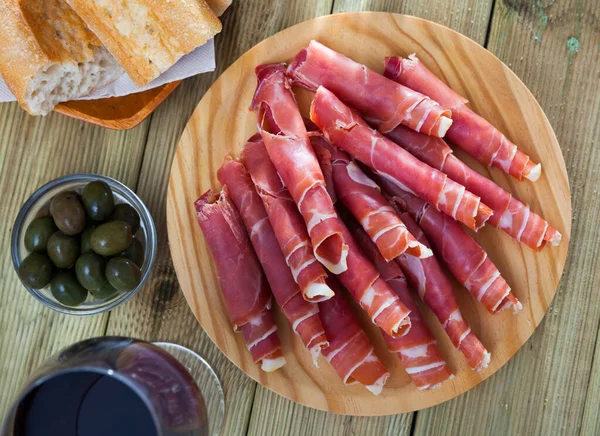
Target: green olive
<point x="73" y="193"/>
<point x="63" y="250"/>
<point x="85" y="239"/>
<point x="89" y="270"/>
<point x="110" y="238"/>
<point x="123" y="274"/>
<point x="135" y="252"/>
<point x="67" y="290"/>
<point x="98" y="200"/>
<point x="38" y="233"/>
<point x="105" y="292"/>
<point x="124" y="212"/>
<point x="35" y="270"/>
<point x="68" y="213"/>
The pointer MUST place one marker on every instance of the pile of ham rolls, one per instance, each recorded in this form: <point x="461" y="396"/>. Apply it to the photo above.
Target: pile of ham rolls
<point x="364" y="201"/>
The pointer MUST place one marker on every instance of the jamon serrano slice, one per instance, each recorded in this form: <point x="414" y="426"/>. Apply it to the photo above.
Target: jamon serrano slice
<point x="350" y="351"/>
<point x="417" y="350"/>
<point x="286" y="140"/>
<point x="463" y="256"/>
<point x="344" y="128"/>
<point x="302" y="315"/>
<point x="434" y="288"/>
<point x="287" y="222"/>
<point x="243" y="284"/>
<point x="364" y="200"/>
<point x="510" y="214"/>
<point x="372" y="293"/>
<point x="468" y="131"/>
<point x="383" y="101"/>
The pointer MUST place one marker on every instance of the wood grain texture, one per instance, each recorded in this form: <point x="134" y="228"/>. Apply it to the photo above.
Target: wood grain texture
<point x="119" y="113"/>
<point x="590" y="422"/>
<point x="159" y="312"/>
<point x="33" y="151"/>
<point x="553" y="47"/>
<point x="469" y="17"/>
<point x="222" y="123"/>
<point x="272" y="415"/>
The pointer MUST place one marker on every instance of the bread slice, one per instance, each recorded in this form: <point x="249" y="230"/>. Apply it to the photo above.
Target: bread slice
<point x="148" y="36"/>
<point x="48" y="55"/>
<point x="218" y="6"/>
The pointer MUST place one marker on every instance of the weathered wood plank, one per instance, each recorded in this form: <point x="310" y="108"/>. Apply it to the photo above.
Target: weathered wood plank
<point x="34" y="151"/>
<point x="160" y="312"/>
<point x="272" y="413"/>
<point x="469" y="17"/>
<point x="553" y="47"/>
<point x="590" y="424"/>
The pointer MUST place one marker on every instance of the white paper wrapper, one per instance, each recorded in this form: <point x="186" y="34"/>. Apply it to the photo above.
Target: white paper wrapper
<point x="200" y="60"/>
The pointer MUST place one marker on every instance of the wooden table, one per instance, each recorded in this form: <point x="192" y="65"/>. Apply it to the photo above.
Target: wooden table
<point x="551" y="386"/>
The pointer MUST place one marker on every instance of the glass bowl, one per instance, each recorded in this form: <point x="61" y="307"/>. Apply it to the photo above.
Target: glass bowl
<point x="38" y="205"/>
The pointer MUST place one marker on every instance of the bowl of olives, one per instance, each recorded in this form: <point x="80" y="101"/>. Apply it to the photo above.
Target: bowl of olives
<point x="83" y="244"/>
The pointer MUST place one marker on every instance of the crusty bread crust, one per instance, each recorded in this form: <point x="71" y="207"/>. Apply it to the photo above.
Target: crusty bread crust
<point x="49" y="55"/>
<point x="20" y="54"/>
<point x="148" y="36"/>
<point x="23" y="53"/>
<point x="59" y="30"/>
<point x="218" y="6"/>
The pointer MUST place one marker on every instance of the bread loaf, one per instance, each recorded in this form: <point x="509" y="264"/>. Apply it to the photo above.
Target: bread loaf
<point x="148" y="36"/>
<point x="48" y="55"/>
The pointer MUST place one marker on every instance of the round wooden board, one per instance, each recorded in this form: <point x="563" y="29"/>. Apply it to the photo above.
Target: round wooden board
<point x="222" y="123"/>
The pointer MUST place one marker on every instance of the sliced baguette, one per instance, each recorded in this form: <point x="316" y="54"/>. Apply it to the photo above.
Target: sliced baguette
<point x="218" y="6"/>
<point x="148" y="36"/>
<point x="48" y="55"/>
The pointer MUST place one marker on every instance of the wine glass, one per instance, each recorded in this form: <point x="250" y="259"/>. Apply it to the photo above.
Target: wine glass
<point x="119" y="386"/>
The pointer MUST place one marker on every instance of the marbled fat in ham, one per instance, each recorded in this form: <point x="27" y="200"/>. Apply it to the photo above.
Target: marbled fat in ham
<point x="383" y="101"/>
<point x="463" y="256"/>
<point x="469" y="131"/>
<point x="302" y="315"/>
<point x="510" y="214"/>
<point x="286" y="140"/>
<point x="364" y="200"/>
<point x="418" y="350"/>
<point x="288" y="225"/>
<point x="344" y="128"/>
<point x="434" y="288"/>
<point x="371" y="292"/>
<point x="243" y="284"/>
<point x="350" y="351"/>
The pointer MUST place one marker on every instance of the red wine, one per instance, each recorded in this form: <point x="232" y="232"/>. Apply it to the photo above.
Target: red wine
<point x="84" y="404"/>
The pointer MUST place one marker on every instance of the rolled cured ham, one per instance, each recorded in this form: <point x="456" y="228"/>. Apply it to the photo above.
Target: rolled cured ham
<point x="364" y="200"/>
<point x="384" y="102"/>
<point x="463" y="256"/>
<point x="372" y="293"/>
<point x="243" y="284"/>
<point x="432" y="285"/>
<point x="302" y="315"/>
<point x="286" y="140"/>
<point x="287" y="222"/>
<point x="468" y="131"/>
<point x="346" y="130"/>
<point x="418" y="349"/>
<point x="510" y="214"/>
<point x="350" y="351"/>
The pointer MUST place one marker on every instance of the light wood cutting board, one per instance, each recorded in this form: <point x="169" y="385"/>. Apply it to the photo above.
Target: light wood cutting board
<point x="222" y="123"/>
